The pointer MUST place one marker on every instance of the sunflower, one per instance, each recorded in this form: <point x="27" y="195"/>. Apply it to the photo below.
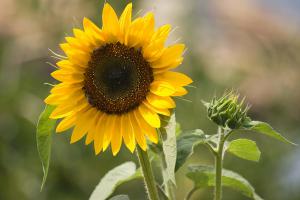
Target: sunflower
<point x="116" y="81"/>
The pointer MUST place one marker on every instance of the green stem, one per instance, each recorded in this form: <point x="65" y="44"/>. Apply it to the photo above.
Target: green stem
<point x="147" y="174"/>
<point x="219" y="165"/>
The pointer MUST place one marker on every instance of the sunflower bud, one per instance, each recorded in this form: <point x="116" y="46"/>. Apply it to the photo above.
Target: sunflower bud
<point x="227" y="111"/>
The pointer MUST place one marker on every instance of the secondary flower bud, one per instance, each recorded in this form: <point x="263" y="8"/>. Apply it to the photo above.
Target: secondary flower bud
<point x="227" y="111"/>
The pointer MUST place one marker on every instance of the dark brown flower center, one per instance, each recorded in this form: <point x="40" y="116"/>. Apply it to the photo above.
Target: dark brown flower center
<point x="117" y="79"/>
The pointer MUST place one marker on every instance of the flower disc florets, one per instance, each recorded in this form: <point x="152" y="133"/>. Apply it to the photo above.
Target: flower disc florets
<point x="227" y="111"/>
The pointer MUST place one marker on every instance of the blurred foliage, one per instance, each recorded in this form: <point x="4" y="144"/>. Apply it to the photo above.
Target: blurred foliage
<point x="252" y="46"/>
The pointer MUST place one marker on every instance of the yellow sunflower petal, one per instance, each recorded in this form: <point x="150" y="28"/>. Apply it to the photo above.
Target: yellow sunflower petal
<point x="146" y="128"/>
<point x="54" y="99"/>
<point x="66" y="109"/>
<point x="150" y="116"/>
<point x="155" y="49"/>
<point x="66" y="64"/>
<point x="161" y="34"/>
<point x="98" y="137"/>
<point x="93" y="131"/>
<point x="173" y="65"/>
<point x="161" y="88"/>
<point x="93" y="31"/>
<point x="127" y="132"/>
<point x="84" y="40"/>
<point x="68" y="76"/>
<point x="83" y="124"/>
<point x="61" y="111"/>
<point x="109" y="130"/>
<point x="139" y="136"/>
<point x="81" y="104"/>
<point x="148" y="28"/>
<point x="180" y="91"/>
<point x="161" y="111"/>
<point x="125" y="21"/>
<point x="153" y="52"/>
<point x="168" y="57"/>
<point x="66" y="123"/>
<point x="77" y="44"/>
<point x="135" y="28"/>
<point x="80" y="34"/>
<point x="89" y="137"/>
<point x="160" y="102"/>
<point x="175" y="78"/>
<point x="110" y="20"/>
<point x="116" y="139"/>
<point x="60" y="98"/>
<point x="65" y="88"/>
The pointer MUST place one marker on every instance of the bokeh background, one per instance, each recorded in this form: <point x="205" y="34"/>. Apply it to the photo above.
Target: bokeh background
<point x="251" y="45"/>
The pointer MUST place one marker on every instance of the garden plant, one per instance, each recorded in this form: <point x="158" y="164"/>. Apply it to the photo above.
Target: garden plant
<point x="117" y="86"/>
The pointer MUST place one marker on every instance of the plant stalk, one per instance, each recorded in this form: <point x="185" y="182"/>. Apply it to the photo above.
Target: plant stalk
<point x="147" y="174"/>
<point x="219" y="165"/>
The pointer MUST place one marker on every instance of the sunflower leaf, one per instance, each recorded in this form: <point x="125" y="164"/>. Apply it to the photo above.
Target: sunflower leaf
<point x="45" y="127"/>
<point x="244" y="148"/>
<point x="185" y="145"/>
<point x="265" y="128"/>
<point x="114" y="178"/>
<point x="168" y="137"/>
<point x="204" y="176"/>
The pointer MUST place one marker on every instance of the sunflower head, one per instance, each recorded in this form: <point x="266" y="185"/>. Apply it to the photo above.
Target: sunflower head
<point x="227" y="111"/>
<point x="115" y="81"/>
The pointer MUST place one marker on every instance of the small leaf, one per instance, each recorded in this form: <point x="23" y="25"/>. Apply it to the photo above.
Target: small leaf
<point x="115" y="177"/>
<point x="185" y="145"/>
<point x="168" y="136"/>
<point x="264" y="128"/>
<point x="245" y="149"/>
<point x="45" y="127"/>
<point x="204" y="176"/>
<point x="120" y="197"/>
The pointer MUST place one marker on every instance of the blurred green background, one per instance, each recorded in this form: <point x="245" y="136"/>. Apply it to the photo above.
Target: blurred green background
<point x="250" y="45"/>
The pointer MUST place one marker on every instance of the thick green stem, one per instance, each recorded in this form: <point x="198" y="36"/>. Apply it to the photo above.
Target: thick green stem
<point x="148" y="174"/>
<point x="219" y="165"/>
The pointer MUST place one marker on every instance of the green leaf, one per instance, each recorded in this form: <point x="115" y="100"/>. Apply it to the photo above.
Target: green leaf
<point x="178" y="129"/>
<point x="244" y="148"/>
<point x="45" y="127"/>
<point x="120" y="197"/>
<point x="168" y="137"/>
<point x="264" y="128"/>
<point x="185" y="145"/>
<point x="115" y="177"/>
<point x="204" y="176"/>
